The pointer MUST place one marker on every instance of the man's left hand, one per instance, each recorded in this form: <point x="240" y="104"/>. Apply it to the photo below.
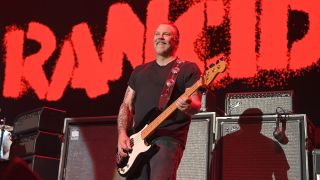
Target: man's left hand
<point x="183" y="103"/>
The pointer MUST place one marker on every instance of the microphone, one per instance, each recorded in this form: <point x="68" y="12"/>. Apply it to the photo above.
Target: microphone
<point x="278" y="133"/>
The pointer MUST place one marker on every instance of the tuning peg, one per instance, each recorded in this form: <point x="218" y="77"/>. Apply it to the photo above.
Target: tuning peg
<point x="211" y="65"/>
<point x="221" y="59"/>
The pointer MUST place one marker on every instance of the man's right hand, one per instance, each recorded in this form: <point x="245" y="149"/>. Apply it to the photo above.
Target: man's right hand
<point x="123" y="144"/>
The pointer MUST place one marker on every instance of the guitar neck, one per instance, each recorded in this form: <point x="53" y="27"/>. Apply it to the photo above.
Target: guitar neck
<point x="169" y="110"/>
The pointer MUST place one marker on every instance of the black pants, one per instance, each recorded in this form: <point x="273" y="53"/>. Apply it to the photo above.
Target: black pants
<point x="164" y="163"/>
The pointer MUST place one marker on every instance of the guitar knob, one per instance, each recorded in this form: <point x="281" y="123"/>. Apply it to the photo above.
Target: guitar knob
<point x="211" y="65"/>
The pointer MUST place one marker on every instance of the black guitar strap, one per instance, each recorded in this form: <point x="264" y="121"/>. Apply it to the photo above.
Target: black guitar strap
<point x="169" y="84"/>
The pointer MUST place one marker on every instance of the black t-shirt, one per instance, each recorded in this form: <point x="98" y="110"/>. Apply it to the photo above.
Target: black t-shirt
<point x="147" y="81"/>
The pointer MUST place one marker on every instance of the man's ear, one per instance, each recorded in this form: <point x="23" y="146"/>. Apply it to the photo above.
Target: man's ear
<point x="177" y="40"/>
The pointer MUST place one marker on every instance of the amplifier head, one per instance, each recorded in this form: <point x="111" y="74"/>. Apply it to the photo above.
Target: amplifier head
<point x="268" y="102"/>
<point x="44" y="119"/>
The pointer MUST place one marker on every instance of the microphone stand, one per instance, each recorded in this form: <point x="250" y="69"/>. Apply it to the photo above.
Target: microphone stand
<point x="203" y="107"/>
<point x="204" y="89"/>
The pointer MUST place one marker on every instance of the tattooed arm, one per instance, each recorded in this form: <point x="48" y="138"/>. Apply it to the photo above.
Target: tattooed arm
<point x="125" y="121"/>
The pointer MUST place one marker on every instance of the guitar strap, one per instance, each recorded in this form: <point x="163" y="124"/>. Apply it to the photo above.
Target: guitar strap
<point x="169" y="84"/>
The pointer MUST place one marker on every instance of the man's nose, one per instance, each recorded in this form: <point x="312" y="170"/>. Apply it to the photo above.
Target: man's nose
<point x="161" y="36"/>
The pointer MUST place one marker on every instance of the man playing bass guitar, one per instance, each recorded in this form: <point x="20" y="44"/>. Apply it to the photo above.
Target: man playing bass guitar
<point x="146" y="84"/>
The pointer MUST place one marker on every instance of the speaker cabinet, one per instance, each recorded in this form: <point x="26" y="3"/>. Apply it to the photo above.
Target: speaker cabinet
<point x="88" y="151"/>
<point x="195" y="162"/>
<point x="47" y="168"/>
<point x="316" y="164"/>
<point x="247" y="149"/>
<point x="31" y="168"/>
<point x="37" y="143"/>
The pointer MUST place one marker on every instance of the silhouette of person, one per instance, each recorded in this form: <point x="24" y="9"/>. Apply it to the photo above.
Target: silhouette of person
<point x="246" y="154"/>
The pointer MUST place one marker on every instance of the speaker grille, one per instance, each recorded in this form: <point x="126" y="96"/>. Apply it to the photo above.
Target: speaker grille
<point x="195" y="161"/>
<point x="89" y="149"/>
<point x="257" y="154"/>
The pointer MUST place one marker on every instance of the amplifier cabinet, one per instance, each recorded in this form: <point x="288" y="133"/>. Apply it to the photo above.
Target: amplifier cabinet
<point x="247" y="149"/>
<point x="267" y="102"/>
<point x="316" y="164"/>
<point x="47" y="168"/>
<point x="196" y="159"/>
<point x="37" y="143"/>
<point x="44" y="119"/>
<point x="89" y="148"/>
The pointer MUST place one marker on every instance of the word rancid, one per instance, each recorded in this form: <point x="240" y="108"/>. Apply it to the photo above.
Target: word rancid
<point x="82" y="65"/>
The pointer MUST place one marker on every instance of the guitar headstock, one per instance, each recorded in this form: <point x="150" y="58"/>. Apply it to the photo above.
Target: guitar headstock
<point x="214" y="70"/>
